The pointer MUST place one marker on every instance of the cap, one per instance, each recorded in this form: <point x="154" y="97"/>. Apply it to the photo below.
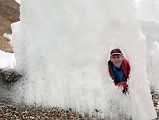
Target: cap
<point x="116" y="51"/>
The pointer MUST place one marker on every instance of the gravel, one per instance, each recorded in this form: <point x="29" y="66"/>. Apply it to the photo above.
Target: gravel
<point x="12" y="111"/>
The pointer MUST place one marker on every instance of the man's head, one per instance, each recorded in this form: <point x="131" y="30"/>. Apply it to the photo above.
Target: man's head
<point x="116" y="57"/>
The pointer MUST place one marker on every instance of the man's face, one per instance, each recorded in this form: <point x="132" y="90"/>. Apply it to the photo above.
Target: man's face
<point x="117" y="60"/>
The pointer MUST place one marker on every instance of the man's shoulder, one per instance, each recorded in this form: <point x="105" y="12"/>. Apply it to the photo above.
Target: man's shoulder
<point x="125" y="60"/>
<point x="110" y="63"/>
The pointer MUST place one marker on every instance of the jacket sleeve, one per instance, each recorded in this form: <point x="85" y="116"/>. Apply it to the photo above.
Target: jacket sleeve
<point x="110" y="73"/>
<point x="110" y="70"/>
<point x="128" y="69"/>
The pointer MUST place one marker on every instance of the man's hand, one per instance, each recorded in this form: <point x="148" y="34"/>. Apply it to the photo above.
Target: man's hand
<point x="123" y="86"/>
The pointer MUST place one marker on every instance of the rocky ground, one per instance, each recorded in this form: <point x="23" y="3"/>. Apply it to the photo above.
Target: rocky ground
<point x="12" y="111"/>
<point x="155" y="98"/>
<point x="9" y="13"/>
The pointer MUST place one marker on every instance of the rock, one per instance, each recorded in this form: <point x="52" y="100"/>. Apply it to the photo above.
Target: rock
<point x="9" y="11"/>
<point x="155" y="98"/>
<point x="32" y="118"/>
<point x="9" y="76"/>
<point x="4" y="42"/>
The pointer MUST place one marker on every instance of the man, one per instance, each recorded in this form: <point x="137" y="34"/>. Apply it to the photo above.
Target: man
<point x="119" y="69"/>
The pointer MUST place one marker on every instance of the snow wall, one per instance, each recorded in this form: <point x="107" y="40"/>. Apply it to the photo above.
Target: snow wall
<point x="63" y="48"/>
<point x="149" y="19"/>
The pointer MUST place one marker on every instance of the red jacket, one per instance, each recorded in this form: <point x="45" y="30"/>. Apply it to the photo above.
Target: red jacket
<point x="126" y="69"/>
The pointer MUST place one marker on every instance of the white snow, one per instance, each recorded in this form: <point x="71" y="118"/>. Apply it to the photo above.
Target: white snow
<point x="18" y="1"/>
<point x="7" y="60"/>
<point x="154" y="67"/>
<point x="8" y="36"/>
<point x="149" y="10"/>
<point x="18" y="45"/>
<point x="65" y="48"/>
<point x="149" y="16"/>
